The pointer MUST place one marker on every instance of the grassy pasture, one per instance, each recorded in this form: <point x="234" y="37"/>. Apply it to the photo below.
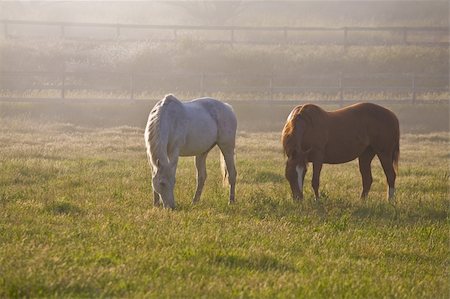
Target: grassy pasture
<point x="76" y="220"/>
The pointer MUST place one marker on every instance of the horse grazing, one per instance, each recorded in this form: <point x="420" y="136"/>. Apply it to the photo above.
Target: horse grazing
<point x="361" y="131"/>
<point x="192" y="128"/>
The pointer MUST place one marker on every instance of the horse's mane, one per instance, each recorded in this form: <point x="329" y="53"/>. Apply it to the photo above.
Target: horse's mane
<point x="288" y="131"/>
<point x="153" y="138"/>
<point x="307" y="112"/>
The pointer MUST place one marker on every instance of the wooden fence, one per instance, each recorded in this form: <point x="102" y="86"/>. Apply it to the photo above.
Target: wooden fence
<point x="345" y="36"/>
<point x="114" y="85"/>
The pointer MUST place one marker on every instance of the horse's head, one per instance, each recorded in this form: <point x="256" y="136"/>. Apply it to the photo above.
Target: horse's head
<point x="302" y="130"/>
<point x="163" y="182"/>
<point x="296" y="166"/>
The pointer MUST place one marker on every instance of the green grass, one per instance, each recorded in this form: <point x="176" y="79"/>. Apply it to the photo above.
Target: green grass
<point x="76" y="220"/>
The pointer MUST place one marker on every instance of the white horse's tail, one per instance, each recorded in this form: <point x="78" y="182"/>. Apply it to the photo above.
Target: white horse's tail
<point x="223" y="168"/>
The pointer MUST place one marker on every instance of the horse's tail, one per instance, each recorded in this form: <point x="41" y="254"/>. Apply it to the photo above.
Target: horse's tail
<point x="223" y="169"/>
<point x="396" y="152"/>
<point x="396" y="156"/>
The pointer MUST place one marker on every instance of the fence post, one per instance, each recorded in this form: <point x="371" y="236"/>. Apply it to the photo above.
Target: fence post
<point x="62" y="31"/>
<point x="345" y="38"/>
<point x="271" y="86"/>
<point x="131" y="86"/>
<point x="175" y="35"/>
<point x="5" y="29"/>
<point x="405" y="36"/>
<point x="117" y="31"/>
<point x="232" y="37"/>
<point x="413" y="87"/>
<point x="341" y="91"/>
<point x="63" y="83"/>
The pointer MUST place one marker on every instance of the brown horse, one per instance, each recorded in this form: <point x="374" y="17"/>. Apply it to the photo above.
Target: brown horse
<point x="361" y="131"/>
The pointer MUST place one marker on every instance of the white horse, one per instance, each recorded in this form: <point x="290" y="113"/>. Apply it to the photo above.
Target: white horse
<point x="192" y="128"/>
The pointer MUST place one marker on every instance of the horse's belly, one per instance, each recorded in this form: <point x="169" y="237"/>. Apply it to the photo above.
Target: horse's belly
<point x="345" y="152"/>
<point x="340" y="159"/>
<point x="199" y="140"/>
<point x="196" y="149"/>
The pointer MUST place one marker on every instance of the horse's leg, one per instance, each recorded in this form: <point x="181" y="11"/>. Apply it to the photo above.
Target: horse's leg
<point x="173" y="155"/>
<point x="388" y="167"/>
<point x="156" y="200"/>
<point x="228" y="154"/>
<point x="366" y="172"/>
<point x="200" y="164"/>
<point x="317" y="167"/>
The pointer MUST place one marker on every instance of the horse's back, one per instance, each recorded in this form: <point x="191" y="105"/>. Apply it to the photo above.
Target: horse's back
<point x="209" y="122"/>
<point x="366" y="114"/>
<point x="221" y="113"/>
<point x="350" y="130"/>
<point x="370" y="110"/>
<point x="217" y="109"/>
<point x="379" y="125"/>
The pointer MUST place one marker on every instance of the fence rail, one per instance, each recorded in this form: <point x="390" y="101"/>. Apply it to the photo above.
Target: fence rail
<point x="345" y="36"/>
<point x="66" y="84"/>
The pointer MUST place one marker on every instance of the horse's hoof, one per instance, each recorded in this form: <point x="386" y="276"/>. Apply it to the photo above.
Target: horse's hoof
<point x="169" y="207"/>
<point x="392" y="201"/>
<point x="298" y="198"/>
<point x="318" y="203"/>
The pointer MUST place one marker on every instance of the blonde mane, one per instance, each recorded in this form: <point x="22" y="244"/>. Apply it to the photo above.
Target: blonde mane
<point x="307" y="112"/>
<point x="288" y="131"/>
<point x="153" y="135"/>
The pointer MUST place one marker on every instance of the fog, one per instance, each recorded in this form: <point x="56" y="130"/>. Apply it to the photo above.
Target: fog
<point x="274" y="52"/>
<point x="279" y="13"/>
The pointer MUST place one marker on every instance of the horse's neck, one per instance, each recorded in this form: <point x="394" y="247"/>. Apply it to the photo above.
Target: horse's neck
<point x="158" y="135"/>
<point x="164" y="129"/>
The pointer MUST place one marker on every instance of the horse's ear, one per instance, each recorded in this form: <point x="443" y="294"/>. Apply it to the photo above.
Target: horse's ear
<point x="157" y="162"/>
<point x="170" y="97"/>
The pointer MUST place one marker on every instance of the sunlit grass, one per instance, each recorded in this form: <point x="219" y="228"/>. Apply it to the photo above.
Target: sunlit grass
<point x="76" y="220"/>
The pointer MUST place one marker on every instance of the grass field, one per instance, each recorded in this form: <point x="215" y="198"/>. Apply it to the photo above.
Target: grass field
<point x="76" y="220"/>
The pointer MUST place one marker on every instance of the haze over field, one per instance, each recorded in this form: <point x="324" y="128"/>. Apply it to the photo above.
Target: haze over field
<point x="279" y="13"/>
<point x="146" y="63"/>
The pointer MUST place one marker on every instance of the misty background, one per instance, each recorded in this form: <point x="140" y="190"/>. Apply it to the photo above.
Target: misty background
<point x="273" y="53"/>
<point x="255" y="13"/>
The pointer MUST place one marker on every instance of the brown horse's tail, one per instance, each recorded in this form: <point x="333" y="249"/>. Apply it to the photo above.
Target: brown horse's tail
<point x="396" y="156"/>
